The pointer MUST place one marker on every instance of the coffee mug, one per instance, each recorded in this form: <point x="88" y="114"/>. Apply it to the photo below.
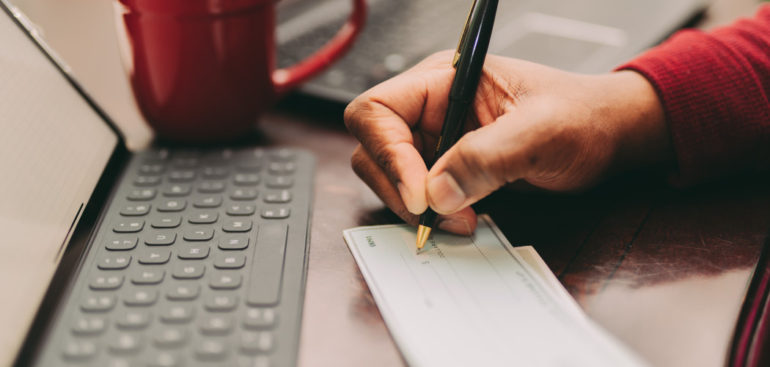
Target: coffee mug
<point x="204" y="70"/>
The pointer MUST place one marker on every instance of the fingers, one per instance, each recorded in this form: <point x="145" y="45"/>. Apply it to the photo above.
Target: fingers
<point x="383" y="119"/>
<point x="480" y="162"/>
<point x="373" y="175"/>
<point x="462" y="222"/>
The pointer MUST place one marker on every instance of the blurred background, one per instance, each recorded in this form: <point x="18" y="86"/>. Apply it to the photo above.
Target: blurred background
<point x="71" y="26"/>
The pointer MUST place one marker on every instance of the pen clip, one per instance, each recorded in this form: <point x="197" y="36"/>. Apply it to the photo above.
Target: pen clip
<point x="463" y="36"/>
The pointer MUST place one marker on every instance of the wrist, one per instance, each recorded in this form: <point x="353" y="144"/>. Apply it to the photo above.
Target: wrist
<point x="636" y="114"/>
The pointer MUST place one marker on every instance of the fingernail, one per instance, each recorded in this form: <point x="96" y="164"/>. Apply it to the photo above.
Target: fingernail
<point x="459" y="226"/>
<point x="445" y="194"/>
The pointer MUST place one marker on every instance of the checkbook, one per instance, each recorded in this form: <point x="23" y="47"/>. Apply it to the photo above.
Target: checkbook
<point x="477" y="301"/>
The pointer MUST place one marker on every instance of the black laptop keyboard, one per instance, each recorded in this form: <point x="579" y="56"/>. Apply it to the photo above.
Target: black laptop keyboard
<point x="199" y="260"/>
<point x="398" y="34"/>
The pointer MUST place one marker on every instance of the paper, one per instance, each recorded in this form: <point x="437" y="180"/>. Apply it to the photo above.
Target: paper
<point x="475" y="301"/>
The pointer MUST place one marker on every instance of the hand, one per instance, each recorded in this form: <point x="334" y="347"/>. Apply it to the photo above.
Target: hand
<point x="555" y="130"/>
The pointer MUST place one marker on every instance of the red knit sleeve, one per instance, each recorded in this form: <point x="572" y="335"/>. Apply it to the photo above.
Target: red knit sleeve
<point x="714" y="88"/>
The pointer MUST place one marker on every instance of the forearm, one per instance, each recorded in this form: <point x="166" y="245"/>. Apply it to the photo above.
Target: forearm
<point x="714" y="89"/>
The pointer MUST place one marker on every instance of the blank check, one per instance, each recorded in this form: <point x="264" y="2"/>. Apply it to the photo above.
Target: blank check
<point x="477" y="301"/>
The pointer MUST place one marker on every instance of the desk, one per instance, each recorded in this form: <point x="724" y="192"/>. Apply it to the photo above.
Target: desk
<point x="661" y="269"/>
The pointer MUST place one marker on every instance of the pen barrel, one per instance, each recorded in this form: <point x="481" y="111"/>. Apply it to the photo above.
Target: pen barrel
<point x="452" y="129"/>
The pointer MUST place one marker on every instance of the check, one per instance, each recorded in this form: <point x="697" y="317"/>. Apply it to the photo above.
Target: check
<point x="476" y="301"/>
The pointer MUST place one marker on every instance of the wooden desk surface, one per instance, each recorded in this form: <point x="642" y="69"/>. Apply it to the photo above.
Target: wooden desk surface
<point x="663" y="270"/>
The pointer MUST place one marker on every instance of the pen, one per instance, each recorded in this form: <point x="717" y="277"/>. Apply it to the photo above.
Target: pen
<point x="468" y="62"/>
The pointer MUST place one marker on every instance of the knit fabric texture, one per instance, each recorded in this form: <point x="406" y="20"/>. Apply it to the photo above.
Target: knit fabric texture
<point x="714" y="88"/>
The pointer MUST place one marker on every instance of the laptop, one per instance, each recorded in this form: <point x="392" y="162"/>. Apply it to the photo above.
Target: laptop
<point x="167" y="257"/>
<point x="586" y="36"/>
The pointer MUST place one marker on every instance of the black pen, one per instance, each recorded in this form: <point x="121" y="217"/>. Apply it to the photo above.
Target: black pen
<point x="468" y="62"/>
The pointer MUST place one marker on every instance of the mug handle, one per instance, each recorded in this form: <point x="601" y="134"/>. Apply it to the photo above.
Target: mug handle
<point x="288" y="78"/>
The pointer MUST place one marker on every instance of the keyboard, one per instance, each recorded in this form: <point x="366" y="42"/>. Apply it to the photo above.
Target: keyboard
<point x="200" y="259"/>
<point x="398" y="34"/>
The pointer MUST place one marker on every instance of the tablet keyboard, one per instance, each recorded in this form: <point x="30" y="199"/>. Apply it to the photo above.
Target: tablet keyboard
<point x="200" y="260"/>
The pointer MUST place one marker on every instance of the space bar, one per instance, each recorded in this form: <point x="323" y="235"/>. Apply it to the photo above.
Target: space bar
<point x="267" y="265"/>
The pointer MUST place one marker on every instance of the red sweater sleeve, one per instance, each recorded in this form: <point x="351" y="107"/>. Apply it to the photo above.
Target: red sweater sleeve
<point x="715" y="90"/>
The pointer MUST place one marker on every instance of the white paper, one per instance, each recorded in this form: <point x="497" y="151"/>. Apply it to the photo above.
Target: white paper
<point x="474" y="301"/>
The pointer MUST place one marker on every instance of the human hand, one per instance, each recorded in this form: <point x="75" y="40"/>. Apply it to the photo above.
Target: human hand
<point x="555" y="130"/>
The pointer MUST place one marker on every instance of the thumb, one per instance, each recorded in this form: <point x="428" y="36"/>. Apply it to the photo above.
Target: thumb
<point x="482" y="161"/>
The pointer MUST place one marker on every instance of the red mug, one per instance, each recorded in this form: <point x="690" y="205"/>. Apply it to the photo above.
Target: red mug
<point x="204" y="70"/>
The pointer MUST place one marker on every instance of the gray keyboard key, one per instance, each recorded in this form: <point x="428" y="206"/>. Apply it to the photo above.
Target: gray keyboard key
<point x="181" y="175"/>
<point x="98" y="303"/>
<point x="89" y="325"/>
<point x="160" y="238"/>
<point x="147" y="275"/>
<point x="156" y="155"/>
<point x="225" y="280"/>
<point x="174" y="205"/>
<point x="281" y="168"/>
<point x="128" y="226"/>
<point x="280" y="182"/>
<point x="260" y="318"/>
<point x="214" y="172"/>
<point x="170" y="336"/>
<point x="122" y="244"/>
<point x="221" y="302"/>
<point x="147" y="180"/>
<point x="211" y="201"/>
<point x="267" y="266"/>
<point x="211" y="350"/>
<point x="163" y="359"/>
<point x="257" y="342"/>
<point x="236" y="225"/>
<point x="177" y="313"/>
<point x="140" y="297"/>
<point x="112" y="360"/>
<point x="250" y="161"/>
<point x="244" y="194"/>
<point x="193" y="252"/>
<point x="188" y="270"/>
<point x="78" y="350"/>
<point x="177" y="190"/>
<point x="276" y="213"/>
<point x="211" y="187"/>
<point x="185" y="162"/>
<point x="142" y="194"/>
<point x="234" y="243"/>
<point x="134" y="319"/>
<point x="246" y="179"/>
<point x="135" y="210"/>
<point x="283" y="155"/>
<point x="216" y="325"/>
<point x="166" y="221"/>
<point x="154" y="256"/>
<point x="125" y="343"/>
<point x="113" y="261"/>
<point x="152" y="169"/>
<point x="106" y="282"/>
<point x="203" y="217"/>
<point x="230" y="261"/>
<point x="200" y="234"/>
<point x="240" y="209"/>
<point x="183" y="292"/>
<point x="283" y="196"/>
<point x="250" y="165"/>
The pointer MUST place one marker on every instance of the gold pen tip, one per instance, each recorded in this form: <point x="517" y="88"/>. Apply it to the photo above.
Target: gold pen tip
<point x="423" y="232"/>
